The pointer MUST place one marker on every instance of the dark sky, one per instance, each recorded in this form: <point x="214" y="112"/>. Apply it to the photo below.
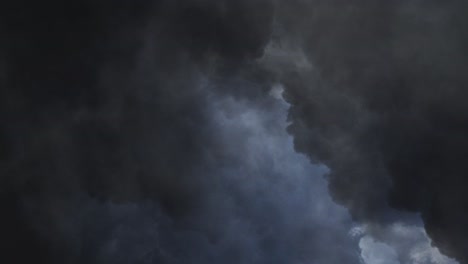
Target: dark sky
<point x="247" y="131"/>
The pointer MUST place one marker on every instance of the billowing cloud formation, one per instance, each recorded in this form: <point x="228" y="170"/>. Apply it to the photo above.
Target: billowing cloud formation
<point x="144" y="131"/>
<point x="101" y="99"/>
<point x="258" y="202"/>
<point x="397" y="243"/>
<point x="383" y="106"/>
<point x="267" y="205"/>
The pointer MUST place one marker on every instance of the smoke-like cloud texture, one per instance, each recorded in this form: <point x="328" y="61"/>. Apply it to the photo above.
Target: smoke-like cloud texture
<point x="385" y="110"/>
<point x="155" y="131"/>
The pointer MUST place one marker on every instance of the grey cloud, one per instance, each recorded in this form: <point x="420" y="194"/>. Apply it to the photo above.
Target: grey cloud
<point x="398" y="243"/>
<point x="159" y="110"/>
<point x="383" y="107"/>
<point x="266" y="204"/>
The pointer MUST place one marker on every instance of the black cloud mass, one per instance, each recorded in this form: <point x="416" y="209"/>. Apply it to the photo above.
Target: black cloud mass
<point x="386" y="110"/>
<point x="153" y="131"/>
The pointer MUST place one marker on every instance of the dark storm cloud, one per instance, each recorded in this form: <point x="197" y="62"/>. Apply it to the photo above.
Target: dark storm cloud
<point x="267" y="204"/>
<point x="384" y="107"/>
<point x="144" y="133"/>
<point x="140" y="132"/>
<point x="100" y="98"/>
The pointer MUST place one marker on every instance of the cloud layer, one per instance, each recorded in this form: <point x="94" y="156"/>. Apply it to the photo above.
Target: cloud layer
<point x="154" y="131"/>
